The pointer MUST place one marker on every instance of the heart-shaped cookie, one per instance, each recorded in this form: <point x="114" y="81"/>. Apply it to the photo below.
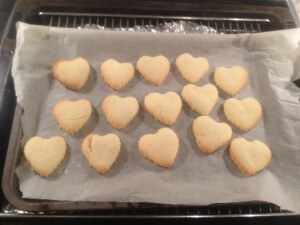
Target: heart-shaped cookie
<point x="231" y="80"/>
<point x="161" y="148"/>
<point x="116" y="74"/>
<point x="200" y="99"/>
<point x="250" y="157"/>
<point x="120" y="111"/>
<point x="154" y="69"/>
<point x="72" y="73"/>
<point x="72" y="115"/>
<point x="163" y="107"/>
<point x="244" y="114"/>
<point x="192" y="69"/>
<point x="210" y="135"/>
<point x="101" y="151"/>
<point x="44" y="155"/>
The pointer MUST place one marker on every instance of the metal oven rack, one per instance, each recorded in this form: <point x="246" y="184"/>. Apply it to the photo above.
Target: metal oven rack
<point x="223" y="25"/>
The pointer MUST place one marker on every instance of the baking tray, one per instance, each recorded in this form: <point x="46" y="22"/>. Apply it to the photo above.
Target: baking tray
<point x="30" y="14"/>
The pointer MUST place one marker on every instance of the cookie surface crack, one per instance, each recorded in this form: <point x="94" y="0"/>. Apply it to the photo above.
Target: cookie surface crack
<point x="162" y="108"/>
<point x="78" y="118"/>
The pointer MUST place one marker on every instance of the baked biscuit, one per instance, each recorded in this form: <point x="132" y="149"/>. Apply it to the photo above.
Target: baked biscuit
<point x="154" y="69"/>
<point x="200" y="99"/>
<point x="192" y="69"/>
<point x="210" y="135"/>
<point x="120" y="111"/>
<point x="45" y="155"/>
<point x="231" y="80"/>
<point x="116" y="74"/>
<point x="72" y="115"/>
<point x="72" y="74"/>
<point x="101" y="151"/>
<point x="161" y="147"/>
<point x="244" y="114"/>
<point x="163" y="107"/>
<point x="250" y="157"/>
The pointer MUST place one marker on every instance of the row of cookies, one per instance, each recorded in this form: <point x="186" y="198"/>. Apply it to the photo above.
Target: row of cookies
<point x="120" y="111"/>
<point x="74" y="73"/>
<point x="45" y="155"/>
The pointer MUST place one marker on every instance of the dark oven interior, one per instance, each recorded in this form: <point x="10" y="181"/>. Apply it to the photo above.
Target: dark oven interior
<point x="224" y="16"/>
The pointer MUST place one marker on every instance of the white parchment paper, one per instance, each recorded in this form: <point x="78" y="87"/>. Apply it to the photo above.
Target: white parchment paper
<point x="272" y="60"/>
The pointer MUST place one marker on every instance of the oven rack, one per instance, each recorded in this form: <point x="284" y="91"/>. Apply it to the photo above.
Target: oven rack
<point x="223" y="25"/>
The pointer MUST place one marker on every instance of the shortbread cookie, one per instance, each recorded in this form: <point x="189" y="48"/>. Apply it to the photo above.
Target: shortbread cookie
<point x="244" y="114"/>
<point x="231" y="80"/>
<point x="163" y="107"/>
<point x="192" y="69"/>
<point x="45" y="155"/>
<point x="154" y="69"/>
<point x="116" y="74"/>
<point x="101" y="151"/>
<point x="120" y="111"/>
<point x="200" y="99"/>
<point x="72" y="73"/>
<point x="250" y="157"/>
<point x="210" y="135"/>
<point x="72" y="115"/>
<point x="161" y="147"/>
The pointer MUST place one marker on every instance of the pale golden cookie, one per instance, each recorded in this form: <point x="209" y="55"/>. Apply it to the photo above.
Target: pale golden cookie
<point x="154" y="69"/>
<point x="101" y="151"/>
<point x="200" y="99"/>
<point x="116" y="74"/>
<point x="192" y="69"/>
<point x="120" y="111"/>
<point x="161" y="147"/>
<point x="244" y="114"/>
<point x="45" y="155"/>
<point x="231" y="80"/>
<point x="72" y="115"/>
<point x="72" y="73"/>
<point x="250" y="157"/>
<point x="163" y="107"/>
<point x="210" y="135"/>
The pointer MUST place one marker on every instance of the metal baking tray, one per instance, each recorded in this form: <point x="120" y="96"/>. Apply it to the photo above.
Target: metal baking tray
<point x="225" y="18"/>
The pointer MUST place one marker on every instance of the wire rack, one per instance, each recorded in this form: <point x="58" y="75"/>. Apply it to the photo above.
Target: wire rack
<point x="225" y="25"/>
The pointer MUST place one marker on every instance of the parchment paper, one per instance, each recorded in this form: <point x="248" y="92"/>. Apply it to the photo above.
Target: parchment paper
<point x="272" y="60"/>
